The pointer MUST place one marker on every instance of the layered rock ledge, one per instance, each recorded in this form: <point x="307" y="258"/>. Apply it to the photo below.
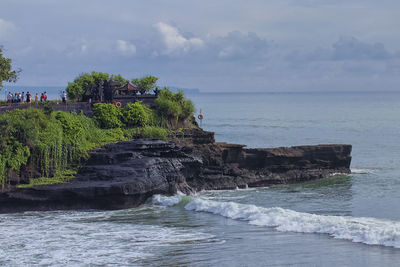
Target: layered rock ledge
<point x="126" y="174"/>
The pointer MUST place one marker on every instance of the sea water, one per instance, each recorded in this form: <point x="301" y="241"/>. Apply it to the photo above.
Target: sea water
<point x="351" y="220"/>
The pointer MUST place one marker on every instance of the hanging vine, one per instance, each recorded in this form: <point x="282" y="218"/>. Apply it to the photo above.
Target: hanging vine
<point x="51" y="143"/>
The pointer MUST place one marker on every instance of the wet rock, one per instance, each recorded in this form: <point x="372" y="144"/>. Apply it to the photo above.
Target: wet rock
<point x="125" y="174"/>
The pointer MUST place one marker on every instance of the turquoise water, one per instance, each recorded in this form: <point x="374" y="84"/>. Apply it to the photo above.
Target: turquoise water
<point x="340" y="221"/>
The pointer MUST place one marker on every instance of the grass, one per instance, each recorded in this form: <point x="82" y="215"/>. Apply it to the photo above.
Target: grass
<point x="60" y="178"/>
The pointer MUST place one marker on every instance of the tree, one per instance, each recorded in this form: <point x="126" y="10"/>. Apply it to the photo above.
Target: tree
<point x="146" y="83"/>
<point x="7" y="74"/>
<point x="120" y="79"/>
<point x="83" y="82"/>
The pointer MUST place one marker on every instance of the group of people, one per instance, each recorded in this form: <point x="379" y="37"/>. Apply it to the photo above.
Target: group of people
<point x="25" y="98"/>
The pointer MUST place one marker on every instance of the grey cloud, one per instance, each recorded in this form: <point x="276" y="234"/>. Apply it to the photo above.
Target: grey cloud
<point x="239" y="46"/>
<point x="233" y="46"/>
<point x="212" y="45"/>
<point x="346" y="48"/>
<point x="353" y="49"/>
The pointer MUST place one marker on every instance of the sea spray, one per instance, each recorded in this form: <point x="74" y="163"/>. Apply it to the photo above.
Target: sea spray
<point x="369" y="231"/>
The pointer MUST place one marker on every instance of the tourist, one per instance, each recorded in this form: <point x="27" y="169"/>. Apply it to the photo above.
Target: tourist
<point x="9" y="98"/>
<point x="64" y="97"/>
<point x="16" y="97"/>
<point x="23" y="97"/>
<point x="45" y="96"/>
<point x="37" y="98"/>
<point x="28" y="97"/>
<point x="42" y="97"/>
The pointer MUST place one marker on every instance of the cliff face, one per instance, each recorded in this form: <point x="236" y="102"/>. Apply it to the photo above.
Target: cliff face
<point x="125" y="174"/>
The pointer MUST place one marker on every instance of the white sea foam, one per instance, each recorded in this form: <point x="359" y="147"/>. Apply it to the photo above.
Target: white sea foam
<point x="84" y="238"/>
<point x="365" y="230"/>
<point x="361" y="171"/>
<point x="167" y="201"/>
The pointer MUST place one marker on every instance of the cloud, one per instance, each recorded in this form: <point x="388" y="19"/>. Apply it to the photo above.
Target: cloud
<point x="6" y="28"/>
<point x="267" y="46"/>
<point x="236" y="45"/>
<point x="73" y="48"/>
<point x="175" y="43"/>
<point x="126" y="48"/>
<point x="352" y="49"/>
<point x="345" y="49"/>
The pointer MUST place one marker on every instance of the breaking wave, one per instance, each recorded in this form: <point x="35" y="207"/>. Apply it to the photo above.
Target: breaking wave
<point x="369" y="231"/>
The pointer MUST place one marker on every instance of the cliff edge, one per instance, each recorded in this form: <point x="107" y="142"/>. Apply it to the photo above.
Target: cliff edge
<point x="126" y="174"/>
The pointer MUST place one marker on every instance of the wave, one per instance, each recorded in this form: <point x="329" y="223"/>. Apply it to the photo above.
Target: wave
<point x="361" y="171"/>
<point x="369" y="231"/>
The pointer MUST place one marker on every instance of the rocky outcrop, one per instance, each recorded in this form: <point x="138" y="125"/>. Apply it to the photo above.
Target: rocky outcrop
<point x="125" y="174"/>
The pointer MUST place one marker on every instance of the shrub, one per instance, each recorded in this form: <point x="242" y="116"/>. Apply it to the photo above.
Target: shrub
<point x="146" y="132"/>
<point x="154" y="132"/>
<point x="173" y="105"/>
<point x="136" y="114"/>
<point x="107" y="115"/>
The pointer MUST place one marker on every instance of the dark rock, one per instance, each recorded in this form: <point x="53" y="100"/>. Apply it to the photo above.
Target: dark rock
<point x="125" y="174"/>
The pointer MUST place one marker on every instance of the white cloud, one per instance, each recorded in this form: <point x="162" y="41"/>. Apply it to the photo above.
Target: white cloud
<point x="6" y="28"/>
<point x="84" y="47"/>
<point x="126" y="48"/>
<point x="175" y="42"/>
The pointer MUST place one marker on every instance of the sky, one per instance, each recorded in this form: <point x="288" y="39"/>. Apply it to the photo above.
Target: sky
<point x="212" y="45"/>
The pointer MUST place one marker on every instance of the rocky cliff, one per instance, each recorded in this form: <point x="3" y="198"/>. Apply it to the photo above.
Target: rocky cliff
<point x="125" y="174"/>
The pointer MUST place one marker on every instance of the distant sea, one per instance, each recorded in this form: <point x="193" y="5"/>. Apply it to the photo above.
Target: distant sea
<point x="345" y="220"/>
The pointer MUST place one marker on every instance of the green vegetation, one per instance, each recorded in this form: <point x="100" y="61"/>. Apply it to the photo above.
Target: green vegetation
<point x="146" y="83"/>
<point x="7" y="74"/>
<point x="173" y="106"/>
<point x="107" y="115"/>
<point x="154" y="132"/>
<point x="47" y="143"/>
<point x="87" y="81"/>
<point x="120" y="79"/>
<point x="136" y="115"/>
<point x="84" y="82"/>
<point x="59" y="178"/>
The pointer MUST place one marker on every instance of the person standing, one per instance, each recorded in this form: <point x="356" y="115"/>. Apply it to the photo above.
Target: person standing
<point x="37" y="98"/>
<point x="28" y="97"/>
<point x="23" y="97"/>
<point x="64" y="97"/>
<point x="9" y="98"/>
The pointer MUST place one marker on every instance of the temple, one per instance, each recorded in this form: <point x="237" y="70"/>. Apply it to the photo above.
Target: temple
<point x="111" y="92"/>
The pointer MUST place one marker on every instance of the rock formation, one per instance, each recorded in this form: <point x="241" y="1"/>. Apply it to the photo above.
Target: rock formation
<point x="125" y="174"/>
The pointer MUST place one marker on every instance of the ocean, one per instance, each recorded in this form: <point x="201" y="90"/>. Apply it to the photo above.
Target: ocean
<point x="344" y="220"/>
